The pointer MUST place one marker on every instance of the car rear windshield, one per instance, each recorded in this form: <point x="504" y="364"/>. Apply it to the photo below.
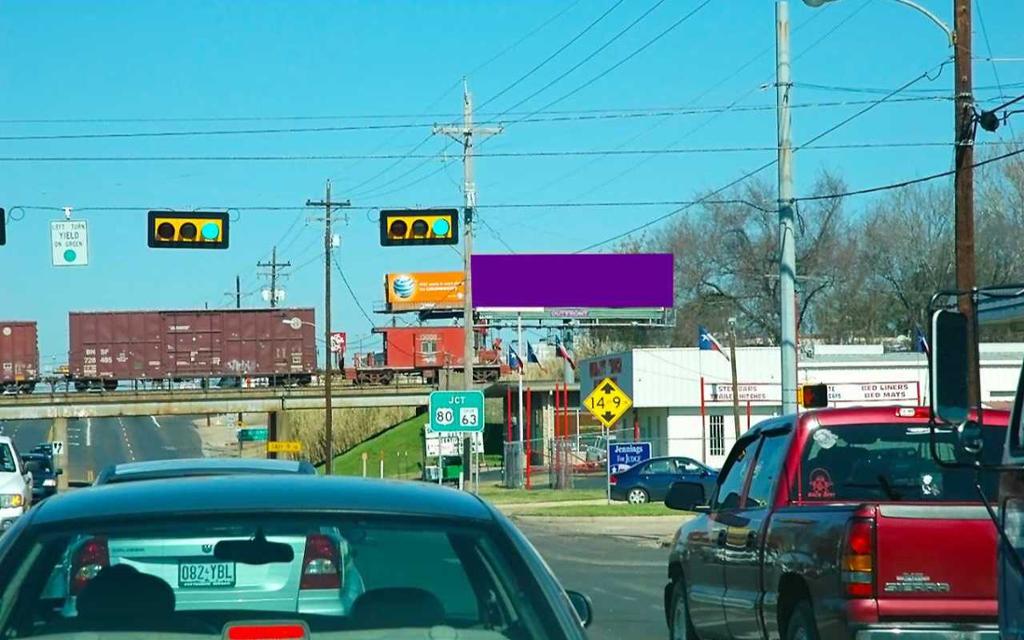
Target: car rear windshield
<point x="7" y="464"/>
<point x="38" y="466"/>
<point x="890" y="463"/>
<point x="335" y="575"/>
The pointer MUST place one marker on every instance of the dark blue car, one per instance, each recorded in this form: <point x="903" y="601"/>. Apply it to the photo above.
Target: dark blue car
<point x="650" y="480"/>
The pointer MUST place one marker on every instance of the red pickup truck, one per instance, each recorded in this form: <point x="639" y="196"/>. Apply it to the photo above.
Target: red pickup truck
<point x="839" y="523"/>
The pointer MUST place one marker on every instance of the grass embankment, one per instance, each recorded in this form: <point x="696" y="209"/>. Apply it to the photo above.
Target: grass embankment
<point x="620" y="509"/>
<point x="500" y="495"/>
<point x="401" y="448"/>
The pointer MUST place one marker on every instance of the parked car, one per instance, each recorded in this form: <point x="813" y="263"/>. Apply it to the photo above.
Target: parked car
<point x="192" y="467"/>
<point x="15" y="484"/>
<point x="839" y="524"/>
<point x="255" y="556"/>
<point x="651" y="479"/>
<point x="44" y="474"/>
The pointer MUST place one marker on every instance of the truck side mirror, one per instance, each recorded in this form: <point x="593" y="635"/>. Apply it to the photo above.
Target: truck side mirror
<point x="969" y="438"/>
<point x="949" y="366"/>
<point x="685" y="496"/>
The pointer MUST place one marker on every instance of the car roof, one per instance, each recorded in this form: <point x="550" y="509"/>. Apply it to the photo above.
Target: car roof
<point x="260" y="494"/>
<point x="158" y="469"/>
<point x="6" y="440"/>
<point x="35" y="456"/>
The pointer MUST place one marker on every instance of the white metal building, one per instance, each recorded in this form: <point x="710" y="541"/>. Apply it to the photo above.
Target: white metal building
<point x="682" y="398"/>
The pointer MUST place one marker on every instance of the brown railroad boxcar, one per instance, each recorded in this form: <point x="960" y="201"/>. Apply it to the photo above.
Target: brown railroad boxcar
<point x="419" y="352"/>
<point x="19" y="357"/>
<point x="112" y="346"/>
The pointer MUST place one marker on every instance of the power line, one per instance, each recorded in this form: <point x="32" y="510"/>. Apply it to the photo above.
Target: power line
<point x="355" y="298"/>
<point x="750" y="174"/>
<point x="629" y="57"/>
<point x="588" y="58"/>
<point x="495" y="154"/>
<point x="907" y="183"/>
<point x="551" y="57"/>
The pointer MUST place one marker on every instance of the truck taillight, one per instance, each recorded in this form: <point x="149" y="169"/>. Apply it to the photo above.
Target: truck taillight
<point x="91" y="558"/>
<point x="320" y="566"/>
<point x="613" y="479"/>
<point x="858" y="569"/>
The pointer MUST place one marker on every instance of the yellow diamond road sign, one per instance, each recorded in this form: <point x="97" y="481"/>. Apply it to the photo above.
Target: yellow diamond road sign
<point x="608" y="402"/>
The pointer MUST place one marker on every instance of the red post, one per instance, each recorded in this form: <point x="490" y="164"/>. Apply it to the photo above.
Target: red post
<point x="565" y="407"/>
<point x="508" y="415"/>
<point x="636" y="427"/>
<point x="748" y="415"/>
<point x="558" y="416"/>
<point x="529" y="426"/>
<point x="703" y="427"/>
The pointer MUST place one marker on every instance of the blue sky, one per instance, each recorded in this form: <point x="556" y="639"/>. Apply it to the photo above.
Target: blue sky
<point x="380" y="62"/>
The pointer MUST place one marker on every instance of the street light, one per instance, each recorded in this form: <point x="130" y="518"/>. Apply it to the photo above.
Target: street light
<point x="910" y="3"/>
<point x="964" y="121"/>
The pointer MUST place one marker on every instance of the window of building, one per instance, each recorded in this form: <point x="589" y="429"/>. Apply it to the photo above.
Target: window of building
<point x="716" y="435"/>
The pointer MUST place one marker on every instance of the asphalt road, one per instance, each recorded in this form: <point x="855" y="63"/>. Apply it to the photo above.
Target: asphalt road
<point x="94" y="443"/>
<point x="624" y="579"/>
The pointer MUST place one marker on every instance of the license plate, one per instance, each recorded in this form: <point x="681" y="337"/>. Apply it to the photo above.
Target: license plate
<point x="194" y="575"/>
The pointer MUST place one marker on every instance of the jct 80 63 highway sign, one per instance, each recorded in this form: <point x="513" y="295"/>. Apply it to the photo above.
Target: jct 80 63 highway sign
<point x="456" y="411"/>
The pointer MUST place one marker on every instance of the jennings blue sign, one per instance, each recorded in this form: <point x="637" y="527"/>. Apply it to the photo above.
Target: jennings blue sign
<point x="623" y="455"/>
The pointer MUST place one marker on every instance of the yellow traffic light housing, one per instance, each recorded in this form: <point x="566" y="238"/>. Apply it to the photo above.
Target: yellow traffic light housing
<point x="814" y="396"/>
<point x="187" y="230"/>
<point x="422" y="226"/>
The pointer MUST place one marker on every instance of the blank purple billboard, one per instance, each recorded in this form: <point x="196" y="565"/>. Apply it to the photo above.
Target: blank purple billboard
<point x="595" y="280"/>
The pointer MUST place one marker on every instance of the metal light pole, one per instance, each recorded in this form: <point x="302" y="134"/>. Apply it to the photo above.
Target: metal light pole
<point x="787" y="231"/>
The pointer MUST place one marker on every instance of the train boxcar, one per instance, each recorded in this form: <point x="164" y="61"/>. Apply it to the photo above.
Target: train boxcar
<point x="417" y="354"/>
<point x="119" y="346"/>
<point x="19" y="357"/>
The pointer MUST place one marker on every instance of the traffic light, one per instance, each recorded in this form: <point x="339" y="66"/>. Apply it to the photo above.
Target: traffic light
<point x="188" y="230"/>
<point x="814" y="396"/>
<point x="419" y="226"/>
<point x="3" y="227"/>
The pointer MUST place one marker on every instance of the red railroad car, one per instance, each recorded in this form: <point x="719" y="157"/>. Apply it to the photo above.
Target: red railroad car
<point x="112" y="346"/>
<point x="19" y="357"/>
<point x="419" y="353"/>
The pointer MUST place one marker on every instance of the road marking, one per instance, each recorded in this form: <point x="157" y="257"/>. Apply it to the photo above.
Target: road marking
<point x="153" y="418"/>
<point x="88" y="432"/>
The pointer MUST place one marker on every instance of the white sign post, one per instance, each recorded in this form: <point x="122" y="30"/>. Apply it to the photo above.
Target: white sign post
<point x="70" y="243"/>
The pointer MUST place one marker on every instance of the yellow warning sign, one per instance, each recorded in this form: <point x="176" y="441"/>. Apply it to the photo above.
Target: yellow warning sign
<point x="284" y="446"/>
<point x="608" y="402"/>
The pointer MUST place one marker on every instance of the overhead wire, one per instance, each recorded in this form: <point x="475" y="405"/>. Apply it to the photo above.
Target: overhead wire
<point x="988" y="47"/>
<point x="774" y="161"/>
<point x="553" y="55"/>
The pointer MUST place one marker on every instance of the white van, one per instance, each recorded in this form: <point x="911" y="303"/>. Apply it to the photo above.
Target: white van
<point x="15" y="484"/>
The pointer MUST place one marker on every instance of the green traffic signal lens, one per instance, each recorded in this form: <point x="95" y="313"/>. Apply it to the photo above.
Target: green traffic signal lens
<point x="165" y="231"/>
<point x="441" y="227"/>
<point x="420" y="228"/>
<point x="188" y="231"/>
<point x="398" y="229"/>
<point x="210" y="231"/>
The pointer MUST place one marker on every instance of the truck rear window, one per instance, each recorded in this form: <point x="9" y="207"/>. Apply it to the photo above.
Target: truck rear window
<point x="891" y="463"/>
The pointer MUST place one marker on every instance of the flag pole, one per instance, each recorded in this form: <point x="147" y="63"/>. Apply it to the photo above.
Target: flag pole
<point x="520" y="367"/>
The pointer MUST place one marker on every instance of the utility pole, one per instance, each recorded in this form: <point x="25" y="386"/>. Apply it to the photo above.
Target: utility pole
<point x="273" y="265"/>
<point x="238" y="292"/>
<point x="465" y="135"/>
<point x="735" y="378"/>
<point x="328" y="206"/>
<point x="787" y="231"/>
<point x="963" y="180"/>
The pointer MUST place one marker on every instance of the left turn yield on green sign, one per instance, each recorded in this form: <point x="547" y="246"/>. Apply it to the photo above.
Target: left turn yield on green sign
<point x="70" y="242"/>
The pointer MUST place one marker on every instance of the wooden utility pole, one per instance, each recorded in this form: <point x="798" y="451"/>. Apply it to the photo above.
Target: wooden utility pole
<point x="273" y="266"/>
<point x="328" y="206"/>
<point x="963" y="181"/>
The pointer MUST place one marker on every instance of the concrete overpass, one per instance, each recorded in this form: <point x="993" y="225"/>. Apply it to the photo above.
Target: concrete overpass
<point x="42" y="406"/>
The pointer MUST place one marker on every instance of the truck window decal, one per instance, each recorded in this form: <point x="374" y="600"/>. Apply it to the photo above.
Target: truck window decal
<point x="825" y="438"/>
<point x="821" y="485"/>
